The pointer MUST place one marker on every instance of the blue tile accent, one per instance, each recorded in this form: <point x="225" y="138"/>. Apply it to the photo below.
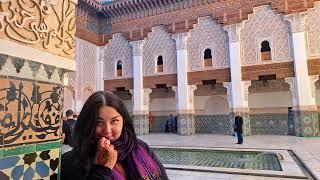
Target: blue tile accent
<point x="28" y="175"/>
<point x="17" y="172"/>
<point x="42" y="169"/>
<point x="9" y="162"/>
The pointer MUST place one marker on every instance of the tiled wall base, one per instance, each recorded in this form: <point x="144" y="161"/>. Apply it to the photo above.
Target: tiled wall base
<point x="141" y="124"/>
<point x="269" y="124"/>
<point x="186" y="124"/>
<point x="246" y="123"/>
<point x="214" y="124"/>
<point x="35" y="161"/>
<point x="306" y="123"/>
<point x="159" y="124"/>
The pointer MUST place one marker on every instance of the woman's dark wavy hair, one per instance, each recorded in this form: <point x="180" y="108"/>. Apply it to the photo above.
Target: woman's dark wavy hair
<point x="84" y="136"/>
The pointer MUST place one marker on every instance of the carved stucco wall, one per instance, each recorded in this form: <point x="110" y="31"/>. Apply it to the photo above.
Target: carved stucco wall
<point x="207" y="34"/>
<point x="313" y="30"/>
<point x="54" y="32"/>
<point x="264" y="24"/>
<point x="118" y="49"/>
<point x="86" y="68"/>
<point x="159" y="43"/>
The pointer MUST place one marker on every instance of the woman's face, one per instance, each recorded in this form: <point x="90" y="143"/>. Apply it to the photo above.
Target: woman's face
<point x="109" y="123"/>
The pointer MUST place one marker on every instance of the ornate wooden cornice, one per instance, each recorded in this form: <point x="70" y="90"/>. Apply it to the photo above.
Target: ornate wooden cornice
<point x="135" y="18"/>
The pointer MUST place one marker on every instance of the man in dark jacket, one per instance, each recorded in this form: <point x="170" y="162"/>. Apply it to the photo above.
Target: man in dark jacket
<point x="238" y="123"/>
<point x="67" y="128"/>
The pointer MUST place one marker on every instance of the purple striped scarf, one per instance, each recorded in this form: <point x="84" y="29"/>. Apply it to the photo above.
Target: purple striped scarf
<point x="143" y="163"/>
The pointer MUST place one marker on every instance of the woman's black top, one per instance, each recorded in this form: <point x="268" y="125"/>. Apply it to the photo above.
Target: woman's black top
<point x="69" y="171"/>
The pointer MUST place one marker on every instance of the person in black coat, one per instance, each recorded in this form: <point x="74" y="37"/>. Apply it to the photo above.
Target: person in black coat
<point x="238" y="128"/>
<point x="106" y="146"/>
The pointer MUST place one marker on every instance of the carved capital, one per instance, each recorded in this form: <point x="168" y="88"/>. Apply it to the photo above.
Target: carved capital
<point x="181" y="40"/>
<point x="297" y="22"/>
<point x="233" y="32"/>
<point x="137" y="47"/>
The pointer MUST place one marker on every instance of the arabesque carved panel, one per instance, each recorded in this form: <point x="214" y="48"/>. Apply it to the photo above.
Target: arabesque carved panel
<point x="41" y="24"/>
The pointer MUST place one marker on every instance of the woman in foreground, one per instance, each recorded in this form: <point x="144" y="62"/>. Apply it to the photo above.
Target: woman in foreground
<point x="106" y="146"/>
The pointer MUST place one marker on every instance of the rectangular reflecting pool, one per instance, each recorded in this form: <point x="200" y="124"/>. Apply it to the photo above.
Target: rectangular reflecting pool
<point x="219" y="158"/>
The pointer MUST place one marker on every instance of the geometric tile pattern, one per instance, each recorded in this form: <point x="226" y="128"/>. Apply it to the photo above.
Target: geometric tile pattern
<point x="159" y="43"/>
<point x="269" y="124"/>
<point x="159" y="124"/>
<point x="213" y="124"/>
<point x="219" y="158"/>
<point x="87" y="67"/>
<point x="31" y="111"/>
<point x="207" y="34"/>
<point x="264" y="24"/>
<point x="306" y="123"/>
<point x="141" y="124"/>
<point x="313" y="30"/>
<point x="118" y="49"/>
<point x="186" y="124"/>
<point x="34" y="165"/>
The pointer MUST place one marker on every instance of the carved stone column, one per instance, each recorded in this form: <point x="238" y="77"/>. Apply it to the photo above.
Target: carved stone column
<point x="305" y="118"/>
<point x="302" y="86"/>
<point x="141" y="118"/>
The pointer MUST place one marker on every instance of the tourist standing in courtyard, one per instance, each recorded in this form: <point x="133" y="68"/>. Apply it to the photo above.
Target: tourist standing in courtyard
<point x="106" y="146"/>
<point x="238" y="128"/>
<point x="170" y="123"/>
<point x="67" y="128"/>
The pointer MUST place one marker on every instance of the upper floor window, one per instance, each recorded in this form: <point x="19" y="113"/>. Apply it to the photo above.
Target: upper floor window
<point x="119" y="69"/>
<point x="160" y="64"/>
<point x="207" y="58"/>
<point x="265" y="51"/>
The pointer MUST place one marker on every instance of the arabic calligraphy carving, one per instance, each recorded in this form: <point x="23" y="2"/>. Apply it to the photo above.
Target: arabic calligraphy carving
<point x="31" y="111"/>
<point x="42" y="24"/>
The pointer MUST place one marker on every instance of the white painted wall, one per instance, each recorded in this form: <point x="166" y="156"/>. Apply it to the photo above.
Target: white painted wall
<point x="268" y="100"/>
<point x="163" y="104"/>
<point x="211" y="105"/>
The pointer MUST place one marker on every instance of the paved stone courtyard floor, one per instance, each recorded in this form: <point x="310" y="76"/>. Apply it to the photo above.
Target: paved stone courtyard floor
<point x="306" y="148"/>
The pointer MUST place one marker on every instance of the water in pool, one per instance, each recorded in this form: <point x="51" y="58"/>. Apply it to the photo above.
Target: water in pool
<point x="219" y="158"/>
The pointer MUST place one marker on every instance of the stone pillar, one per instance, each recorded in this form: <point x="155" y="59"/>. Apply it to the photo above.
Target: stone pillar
<point x="184" y="92"/>
<point x="99" y="72"/>
<point x="237" y="89"/>
<point x="140" y="96"/>
<point x="302" y="86"/>
<point x="32" y="67"/>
